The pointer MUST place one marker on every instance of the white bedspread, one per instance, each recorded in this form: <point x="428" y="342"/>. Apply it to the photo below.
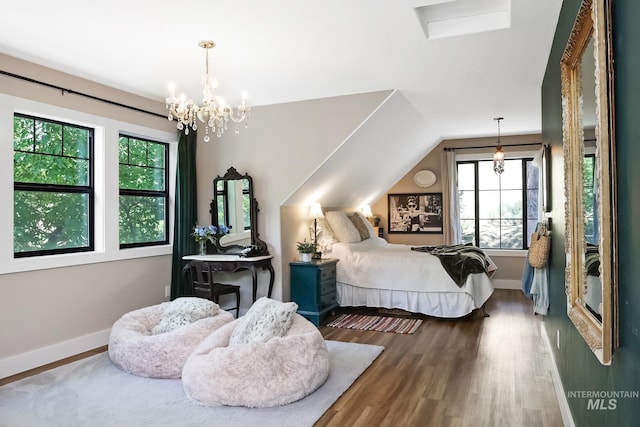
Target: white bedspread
<point x="374" y="263"/>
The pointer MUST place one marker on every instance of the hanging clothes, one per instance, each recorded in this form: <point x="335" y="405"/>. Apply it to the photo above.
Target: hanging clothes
<point x="535" y="284"/>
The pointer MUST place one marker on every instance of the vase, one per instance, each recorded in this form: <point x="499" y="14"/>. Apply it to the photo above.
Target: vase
<point x="202" y="247"/>
<point x="305" y="257"/>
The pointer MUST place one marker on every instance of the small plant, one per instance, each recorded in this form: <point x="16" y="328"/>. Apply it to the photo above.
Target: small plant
<point x="306" y="247"/>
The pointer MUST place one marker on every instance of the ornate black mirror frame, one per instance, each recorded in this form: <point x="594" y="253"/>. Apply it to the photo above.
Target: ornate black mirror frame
<point x="590" y="266"/>
<point x="257" y="246"/>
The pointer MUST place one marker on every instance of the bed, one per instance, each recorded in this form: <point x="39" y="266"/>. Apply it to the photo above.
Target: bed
<point x="374" y="273"/>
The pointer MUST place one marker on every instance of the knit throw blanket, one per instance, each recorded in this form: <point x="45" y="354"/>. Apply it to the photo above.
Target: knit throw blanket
<point x="458" y="260"/>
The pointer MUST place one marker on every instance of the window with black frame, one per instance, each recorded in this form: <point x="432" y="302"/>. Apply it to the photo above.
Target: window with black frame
<point x="53" y="187"/>
<point x="498" y="211"/>
<point x="144" y="194"/>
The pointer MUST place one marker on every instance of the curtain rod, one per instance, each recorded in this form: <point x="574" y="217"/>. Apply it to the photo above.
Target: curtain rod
<point x="74" y="92"/>
<point x="490" y="146"/>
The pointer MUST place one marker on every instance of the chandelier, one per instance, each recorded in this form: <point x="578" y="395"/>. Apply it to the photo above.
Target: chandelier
<point x="213" y="113"/>
<point x="498" y="156"/>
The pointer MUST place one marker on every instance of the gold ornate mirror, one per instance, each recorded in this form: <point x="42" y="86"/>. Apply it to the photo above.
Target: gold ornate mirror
<point x="589" y="167"/>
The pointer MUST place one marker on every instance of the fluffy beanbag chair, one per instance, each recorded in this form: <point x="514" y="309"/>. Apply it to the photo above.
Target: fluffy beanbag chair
<point x="179" y="326"/>
<point x="257" y="374"/>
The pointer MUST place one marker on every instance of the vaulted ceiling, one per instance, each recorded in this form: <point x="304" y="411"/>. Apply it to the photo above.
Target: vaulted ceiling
<point x="459" y="63"/>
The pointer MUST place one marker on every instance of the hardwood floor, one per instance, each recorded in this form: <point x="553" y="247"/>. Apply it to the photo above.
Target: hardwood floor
<point x="473" y="371"/>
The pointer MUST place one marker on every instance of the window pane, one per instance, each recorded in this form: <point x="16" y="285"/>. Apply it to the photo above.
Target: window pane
<point x="511" y="234"/>
<point x="532" y="204"/>
<point x="46" y="169"/>
<point x="466" y="176"/>
<point x="487" y="178"/>
<point x="467" y="201"/>
<point x="48" y="138"/>
<point x="141" y="178"/>
<point x="505" y="234"/>
<point x="533" y="175"/>
<point x="489" y="204"/>
<point x="489" y="233"/>
<point x="511" y="204"/>
<point x="468" y="231"/>
<point x="511" y="178"/>
<point x="46" y="220"/>
<point x="76" y="142"/>
<point x="23" y="133"/>
<point x="142" y="219"/>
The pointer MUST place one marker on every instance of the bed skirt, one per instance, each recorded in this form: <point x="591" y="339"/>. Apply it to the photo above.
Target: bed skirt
<point x="437" y="304"/>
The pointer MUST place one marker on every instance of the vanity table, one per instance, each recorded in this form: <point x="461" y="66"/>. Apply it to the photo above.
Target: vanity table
<point x="233" y="264"/>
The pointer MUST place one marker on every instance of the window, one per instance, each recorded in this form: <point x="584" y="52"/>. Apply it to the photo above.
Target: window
<point x="144" y="194"/>
<point x="498" y="211"/>
<point x="589" y="199"/>
<point x="53" y="187"/>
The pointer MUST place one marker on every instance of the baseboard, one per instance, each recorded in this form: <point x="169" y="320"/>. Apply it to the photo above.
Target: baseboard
<point x="506" y="284"/>
<point x="33" y="359"/>
<point x="567" y="419"/>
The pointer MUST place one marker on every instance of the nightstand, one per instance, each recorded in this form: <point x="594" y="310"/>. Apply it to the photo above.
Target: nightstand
<point x="313" y="288"/>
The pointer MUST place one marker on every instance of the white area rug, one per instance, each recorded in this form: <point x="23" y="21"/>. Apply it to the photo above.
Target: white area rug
<point x="93" y="392"/>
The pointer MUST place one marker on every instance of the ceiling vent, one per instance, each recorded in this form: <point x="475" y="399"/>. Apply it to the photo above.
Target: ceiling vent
<point x="450" y="18"/>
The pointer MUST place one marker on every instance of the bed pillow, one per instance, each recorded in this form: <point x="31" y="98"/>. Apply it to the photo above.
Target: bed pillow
<point x="359" y="223"/>
<point x="266" y="319"/>
<point x="342" y="227"/>
<point x="326" y="238"/>
<point x="184" y="311"/>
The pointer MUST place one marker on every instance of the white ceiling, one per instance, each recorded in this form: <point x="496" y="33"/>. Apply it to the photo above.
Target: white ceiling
<point x="291" y="50"/>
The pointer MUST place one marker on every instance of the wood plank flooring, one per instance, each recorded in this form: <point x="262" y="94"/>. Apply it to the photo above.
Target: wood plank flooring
<point x="473" y="371"/>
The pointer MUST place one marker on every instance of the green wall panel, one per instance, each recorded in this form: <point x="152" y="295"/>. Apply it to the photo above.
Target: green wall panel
<point x="579" y="369"/>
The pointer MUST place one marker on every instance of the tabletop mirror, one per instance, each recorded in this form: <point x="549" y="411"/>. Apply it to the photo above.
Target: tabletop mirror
<point x="234" y="206"/>
<point x="589" y="169"/>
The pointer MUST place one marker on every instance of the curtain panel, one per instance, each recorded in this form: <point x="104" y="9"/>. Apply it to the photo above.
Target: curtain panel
<point x="186" y="208"/>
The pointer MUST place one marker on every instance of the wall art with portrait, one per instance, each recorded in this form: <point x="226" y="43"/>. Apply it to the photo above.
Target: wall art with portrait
<point x="415" y="213"/>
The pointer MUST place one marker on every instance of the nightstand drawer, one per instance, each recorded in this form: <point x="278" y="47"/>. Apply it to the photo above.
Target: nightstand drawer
<point x="327" y="286"/>
<point x="328" y="300"/>
<point x="327" y="273"/>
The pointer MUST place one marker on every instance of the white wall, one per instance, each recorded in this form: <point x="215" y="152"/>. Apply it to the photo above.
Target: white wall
<point x="281" y="148"/>
<point x="55" y="307"/>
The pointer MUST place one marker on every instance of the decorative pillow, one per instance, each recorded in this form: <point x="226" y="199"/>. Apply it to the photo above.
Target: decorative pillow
<point x="372" y="232"/>
<point x="342" y="227"/>
<point x="359" y="223"/>
<point x="267" y="318"/>
<point x="183" y="311"/>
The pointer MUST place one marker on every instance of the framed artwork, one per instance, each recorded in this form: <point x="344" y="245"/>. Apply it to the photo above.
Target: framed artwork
<point x="415" y="213"/>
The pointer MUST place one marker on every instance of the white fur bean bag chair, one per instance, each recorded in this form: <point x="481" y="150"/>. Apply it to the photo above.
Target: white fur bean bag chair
<point x="136" y="349"/>
<point x="258" y="374"/>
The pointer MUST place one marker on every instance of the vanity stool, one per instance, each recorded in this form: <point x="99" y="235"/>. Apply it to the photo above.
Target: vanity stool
<point x="201" y="276"/>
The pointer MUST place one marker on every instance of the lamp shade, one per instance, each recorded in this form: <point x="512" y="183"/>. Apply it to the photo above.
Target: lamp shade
<point x="315" y="211"/>
<point x="366" y="211"/>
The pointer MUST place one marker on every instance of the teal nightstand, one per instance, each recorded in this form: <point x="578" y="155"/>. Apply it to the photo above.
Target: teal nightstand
<point x="313" y="288"/>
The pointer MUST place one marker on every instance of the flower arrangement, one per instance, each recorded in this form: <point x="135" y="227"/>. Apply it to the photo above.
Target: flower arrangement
<point x="305" y="247"/>
<point x="208" y="233"/>
<point x="202" y="234"/>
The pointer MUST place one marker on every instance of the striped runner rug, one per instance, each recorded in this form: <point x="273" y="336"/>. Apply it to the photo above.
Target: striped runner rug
<point x="364" y="322"/>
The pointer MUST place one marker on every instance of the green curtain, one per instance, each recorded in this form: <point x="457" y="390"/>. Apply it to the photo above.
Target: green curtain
<point x="186" y="212"/>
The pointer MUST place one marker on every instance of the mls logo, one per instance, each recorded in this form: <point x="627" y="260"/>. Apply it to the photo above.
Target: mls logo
<point x="602" y="404"/>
